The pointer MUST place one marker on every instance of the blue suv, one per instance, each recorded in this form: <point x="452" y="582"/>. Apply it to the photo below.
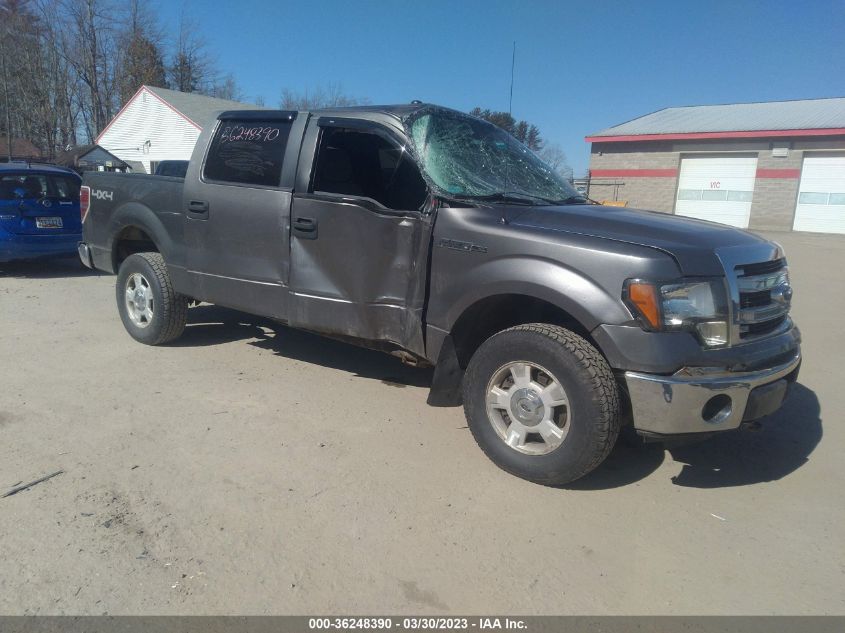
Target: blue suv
<point x="39" y="211"/>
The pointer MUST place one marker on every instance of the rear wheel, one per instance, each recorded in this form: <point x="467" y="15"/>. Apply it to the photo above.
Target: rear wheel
<point x="542" y="403"/>
<point x="151" y="311"/>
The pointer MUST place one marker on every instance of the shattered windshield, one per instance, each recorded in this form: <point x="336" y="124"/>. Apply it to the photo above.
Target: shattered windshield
<point x="470" y="158"/>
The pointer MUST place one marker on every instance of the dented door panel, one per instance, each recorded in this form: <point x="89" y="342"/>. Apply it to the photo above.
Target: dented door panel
<point x="364" y="274"/>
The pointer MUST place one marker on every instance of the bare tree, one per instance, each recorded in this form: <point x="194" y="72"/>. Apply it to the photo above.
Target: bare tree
<point x="191" y="68"/>
<point x="14" y="17"/>
<point x="90" y="47"/>
<point x="63" y="90"/>
<point x="226" y="88"/>
<point x="555" y="158"/>
<point x="66" y="66"/>
<point x="141" y="61"/>
<point x="33" y="78"/>
<point x="329" y="96"/>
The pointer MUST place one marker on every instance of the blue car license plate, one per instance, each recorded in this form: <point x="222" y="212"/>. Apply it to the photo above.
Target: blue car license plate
<point x="48" y="223"/>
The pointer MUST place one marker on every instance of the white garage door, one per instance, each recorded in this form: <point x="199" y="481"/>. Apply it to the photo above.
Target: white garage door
<point x="821" y="196"/>
<point x="717" y="188"/>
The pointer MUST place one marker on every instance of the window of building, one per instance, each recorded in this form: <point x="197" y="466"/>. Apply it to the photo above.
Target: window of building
<point x="248" y="152"/>
<point x="365" y="164"/>
<point x="810" y="197"/>
<point x="715" y="195"/>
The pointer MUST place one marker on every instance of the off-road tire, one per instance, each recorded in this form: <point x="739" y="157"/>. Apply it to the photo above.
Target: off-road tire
<point x="171" y="308"/>
<point x="589" y="384"/>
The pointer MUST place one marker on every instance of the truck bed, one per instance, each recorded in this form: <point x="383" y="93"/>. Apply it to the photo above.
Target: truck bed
<point x="119" y="199"/>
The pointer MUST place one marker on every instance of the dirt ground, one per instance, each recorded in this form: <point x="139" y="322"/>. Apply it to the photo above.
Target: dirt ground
<point x="252" y="469"/>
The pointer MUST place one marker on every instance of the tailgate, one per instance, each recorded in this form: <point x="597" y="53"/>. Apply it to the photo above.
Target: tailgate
<point x="39" y="204"/>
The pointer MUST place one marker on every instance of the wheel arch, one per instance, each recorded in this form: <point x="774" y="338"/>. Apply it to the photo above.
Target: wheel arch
<point x="482" y="319"/>
<point x="485" y="317"/>
<point x="135" y="229"/>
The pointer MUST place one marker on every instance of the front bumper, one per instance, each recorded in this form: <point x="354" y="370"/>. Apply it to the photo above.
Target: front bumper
<point x="705" y="400"/>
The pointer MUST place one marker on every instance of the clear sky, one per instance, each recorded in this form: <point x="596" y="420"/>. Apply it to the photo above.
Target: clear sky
<point x="580" y="66"/>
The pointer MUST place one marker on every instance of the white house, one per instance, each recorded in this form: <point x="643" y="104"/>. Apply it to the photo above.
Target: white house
<point x="159" y="124"/>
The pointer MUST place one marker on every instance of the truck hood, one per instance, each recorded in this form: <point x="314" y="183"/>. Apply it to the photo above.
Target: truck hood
<point x="690" y="242"/>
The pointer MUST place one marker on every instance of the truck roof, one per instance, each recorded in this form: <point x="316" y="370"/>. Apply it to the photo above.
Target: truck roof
<point x="397" y="111"/>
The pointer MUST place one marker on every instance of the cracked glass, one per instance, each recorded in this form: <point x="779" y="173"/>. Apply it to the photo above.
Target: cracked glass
<point x="469" y="158"/>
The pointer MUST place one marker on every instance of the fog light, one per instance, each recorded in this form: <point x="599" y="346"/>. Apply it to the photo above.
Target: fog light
<point x="717" y="409"/>
<point x="713" y="333"/>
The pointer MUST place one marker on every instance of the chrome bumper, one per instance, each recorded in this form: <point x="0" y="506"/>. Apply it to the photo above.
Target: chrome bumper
<point x="85" y="254"/>
<point x="697" y="400"/>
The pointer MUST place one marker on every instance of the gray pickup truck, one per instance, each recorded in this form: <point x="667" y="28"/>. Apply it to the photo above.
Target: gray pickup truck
<point x="439" y="238"/>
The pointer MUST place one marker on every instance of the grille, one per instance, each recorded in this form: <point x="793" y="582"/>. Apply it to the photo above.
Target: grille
<point x="764" y="298"/>
<point x="762" y="268"/>
<point x="755" y="299"/>
<point x="762" y="328"/>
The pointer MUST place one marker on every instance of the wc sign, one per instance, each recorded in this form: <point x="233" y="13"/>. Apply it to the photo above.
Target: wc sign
<point x="715" y="184"/>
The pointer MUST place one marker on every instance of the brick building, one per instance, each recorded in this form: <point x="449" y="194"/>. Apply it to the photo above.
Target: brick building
<point x="776" y="165"/>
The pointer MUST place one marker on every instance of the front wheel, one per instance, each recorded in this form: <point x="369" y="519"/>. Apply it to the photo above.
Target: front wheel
<point x="542" y="403"/>
<point x="152" y="312"/>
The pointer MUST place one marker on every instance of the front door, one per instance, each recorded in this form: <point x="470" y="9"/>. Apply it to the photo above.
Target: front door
<point x="359" y="238"/>
<point x="237" y="213"/>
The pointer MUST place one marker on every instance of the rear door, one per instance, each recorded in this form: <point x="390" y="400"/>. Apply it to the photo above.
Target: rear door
<point x="359" y="236"/>
<point x="717" y="188"/>
<point x="39" y="203"/>
<point x="237" y="204"/>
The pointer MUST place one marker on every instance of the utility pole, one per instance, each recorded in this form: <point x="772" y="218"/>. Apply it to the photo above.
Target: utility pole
<point x="513" y="63"/>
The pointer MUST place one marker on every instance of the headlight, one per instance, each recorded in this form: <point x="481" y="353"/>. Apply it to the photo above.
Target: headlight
<point x="699" y="306"/>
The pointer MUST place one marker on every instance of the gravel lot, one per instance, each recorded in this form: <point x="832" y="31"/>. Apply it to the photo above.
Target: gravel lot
<point x="253" y="469"/>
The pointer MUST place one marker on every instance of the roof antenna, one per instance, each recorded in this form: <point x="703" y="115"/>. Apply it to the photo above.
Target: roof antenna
<point x="513" y="63"/>
<point x="504" y="218"/>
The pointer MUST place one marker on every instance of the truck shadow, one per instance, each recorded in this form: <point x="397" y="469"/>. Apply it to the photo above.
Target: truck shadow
<point x="62" y="267"/>
<point x="743" y="458"/>
<point x="212" y="325"/>
<point x="784" y="444"/>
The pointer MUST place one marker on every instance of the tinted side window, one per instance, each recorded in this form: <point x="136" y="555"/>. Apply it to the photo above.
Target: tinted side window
<point x="356" y="163"/>
<point x="248" y="152"/>
<point x="177" y="168"/>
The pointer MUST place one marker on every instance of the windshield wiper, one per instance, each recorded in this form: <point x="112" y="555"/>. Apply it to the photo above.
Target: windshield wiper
<point x="573" y="200"/>
<point x="515" y="197"/>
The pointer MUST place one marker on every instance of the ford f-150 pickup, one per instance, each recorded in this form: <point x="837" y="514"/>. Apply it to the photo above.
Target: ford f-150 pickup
<point x="437" y="237"/>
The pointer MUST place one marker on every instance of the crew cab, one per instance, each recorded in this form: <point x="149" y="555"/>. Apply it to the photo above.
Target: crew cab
<point x="39" y="211"/>
<point x="439" y="238"/>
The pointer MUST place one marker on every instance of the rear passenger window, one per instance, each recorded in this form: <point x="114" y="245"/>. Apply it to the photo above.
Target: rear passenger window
<point x="248" y="152"/>
<point x="363" y="164"/>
